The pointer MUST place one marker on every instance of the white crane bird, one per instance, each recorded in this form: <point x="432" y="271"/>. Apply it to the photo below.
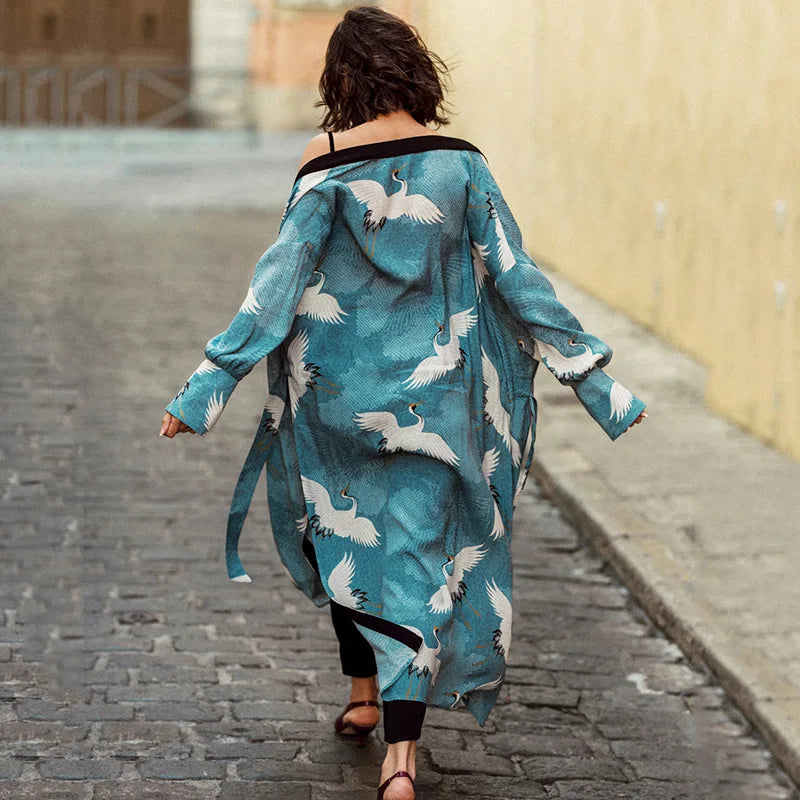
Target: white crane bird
<point x="206" y="367"/>
<point x="410" y="438"/>
<point x="382" y="207"/>
<point x="213" y="410"/>
<point x="426" y="661"/>
<point x="505" y="254"/>
<point x="319" y="305"/>
<point x="275" y="405"/>
<point x="502" y="607"/>
<point x="330" y="521"/>
<point x="565" y="367"/>
<point x="479" y="255"/>
<point x="523" y="473"/>
<point x="308" y="182"/>
<point x="250" y="304"/>
<point x="494" y="411"/>
<point x="491" y="458"/>
<point x="448" y="356"/>
<point x="462" y="699"/>
<point x="303" y="375"/>
<point x="620" y="399"/>
<point x="454" y="587"/>
<point x="339" y="580"/>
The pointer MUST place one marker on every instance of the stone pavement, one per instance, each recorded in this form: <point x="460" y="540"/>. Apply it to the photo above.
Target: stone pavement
<point x="130" y="667"/>
<point x="699" y="518"/>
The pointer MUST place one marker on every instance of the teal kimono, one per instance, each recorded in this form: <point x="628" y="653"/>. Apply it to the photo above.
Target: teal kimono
<point x="402" y="321"/>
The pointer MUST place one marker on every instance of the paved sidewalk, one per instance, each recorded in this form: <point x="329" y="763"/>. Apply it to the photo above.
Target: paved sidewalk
<point x="130" y="667"/>
<point x="699" y="518"/>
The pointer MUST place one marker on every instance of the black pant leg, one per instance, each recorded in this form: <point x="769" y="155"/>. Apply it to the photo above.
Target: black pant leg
<point x="355" y="652"/>
<point x="402" y="720"/>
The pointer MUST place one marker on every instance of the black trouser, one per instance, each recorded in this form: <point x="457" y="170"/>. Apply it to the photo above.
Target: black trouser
<point x="402" y="719"/>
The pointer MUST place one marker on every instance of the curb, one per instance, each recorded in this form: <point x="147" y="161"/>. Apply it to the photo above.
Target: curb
<point x="659" y="583"/>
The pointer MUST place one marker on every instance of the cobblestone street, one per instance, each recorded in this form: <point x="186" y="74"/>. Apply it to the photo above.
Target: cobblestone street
<point x="131" y="667"/>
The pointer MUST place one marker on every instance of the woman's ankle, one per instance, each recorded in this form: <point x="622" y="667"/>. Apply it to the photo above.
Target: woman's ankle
<point x="363" y="688"/>
<point x="400" y="756"/>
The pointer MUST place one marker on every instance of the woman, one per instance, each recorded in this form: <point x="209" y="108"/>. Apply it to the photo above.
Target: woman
<point x="403" y="321"/>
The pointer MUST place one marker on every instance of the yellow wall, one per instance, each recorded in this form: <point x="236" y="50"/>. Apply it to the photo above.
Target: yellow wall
<point x="643" y="146"/>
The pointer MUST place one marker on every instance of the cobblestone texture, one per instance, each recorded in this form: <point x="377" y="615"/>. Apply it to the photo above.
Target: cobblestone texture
<point x="130" y="667"/>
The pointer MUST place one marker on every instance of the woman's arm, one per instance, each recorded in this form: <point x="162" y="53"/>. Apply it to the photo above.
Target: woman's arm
<point x="575" y="357"/>
<point x="265" y="316"/>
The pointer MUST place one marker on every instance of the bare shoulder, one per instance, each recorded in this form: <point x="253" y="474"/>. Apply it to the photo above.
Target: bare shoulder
<point x="316" y="147"/>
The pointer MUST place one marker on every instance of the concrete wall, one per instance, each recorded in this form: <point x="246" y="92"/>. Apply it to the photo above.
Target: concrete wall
<point x="651" y="153"/>
<point x="220" y="53"/>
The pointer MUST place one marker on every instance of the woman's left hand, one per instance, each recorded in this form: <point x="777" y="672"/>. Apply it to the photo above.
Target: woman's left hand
<point x="638" y="419"/>
<point x="171" y="425"/>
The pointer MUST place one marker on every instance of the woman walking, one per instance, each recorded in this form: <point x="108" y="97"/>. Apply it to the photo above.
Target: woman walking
<point x="402" y="321"/>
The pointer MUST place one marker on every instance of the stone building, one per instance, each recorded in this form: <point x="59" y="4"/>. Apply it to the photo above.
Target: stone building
<point x="213" y="63"/>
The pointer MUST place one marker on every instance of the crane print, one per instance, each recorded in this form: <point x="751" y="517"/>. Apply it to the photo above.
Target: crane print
<point x="305" y="184"/>
<point x="505" y="254"/>
<point x="213" y="410"/>
<point x="275" y="405"/>
<point x="330" y="521"/>
<point x="454" y="587"/>
<point x="494" y="412"/>
<point x="206" y="367"/>
<point x="491" y="458"/>
<point x="382" y="206"/>
<point x="250" y="304"/>
<point x="620" y="399"/>
<point x="562" y="366"/>
<point x="410" y="438"/>
<point x="339" y="583"/>
<point x="318" y="305"/>
<point x="502" y="607"/>
<point x="426" y="661"/>
<point x="448" y="356"/>
<point x="461" y="699"/>
<point x="303" y="375"/>
<point x="308" y="182"/>
<point x="479" y="271"/>
<point x="523" y="473"/>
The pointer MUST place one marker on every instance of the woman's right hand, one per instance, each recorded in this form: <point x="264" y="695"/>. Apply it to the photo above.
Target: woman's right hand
<point x="638" y="419"/>
<point x="171" y="425"/>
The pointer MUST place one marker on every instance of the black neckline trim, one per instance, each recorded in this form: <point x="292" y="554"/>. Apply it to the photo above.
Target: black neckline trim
<point x="390" y="147"/>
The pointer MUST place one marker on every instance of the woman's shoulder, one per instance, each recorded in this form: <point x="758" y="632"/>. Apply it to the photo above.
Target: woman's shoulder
<point x="316" y="147"/>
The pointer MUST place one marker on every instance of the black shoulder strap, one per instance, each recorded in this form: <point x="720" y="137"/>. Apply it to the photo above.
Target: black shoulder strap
<point x="330" y="139"/>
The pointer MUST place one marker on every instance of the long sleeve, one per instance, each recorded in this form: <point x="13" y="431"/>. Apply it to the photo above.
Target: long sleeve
<point x="576" y="358"/>
<point x="265" y="317"/>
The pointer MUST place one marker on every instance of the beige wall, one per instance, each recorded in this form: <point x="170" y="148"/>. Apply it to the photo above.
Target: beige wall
<point x="287" y="55"/>
<point x="651" y="152"/>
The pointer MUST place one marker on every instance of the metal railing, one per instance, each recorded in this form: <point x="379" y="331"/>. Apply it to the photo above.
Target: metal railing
<point x="104" y="95"/>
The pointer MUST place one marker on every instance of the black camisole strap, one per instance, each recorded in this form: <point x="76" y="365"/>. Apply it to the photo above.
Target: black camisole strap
<point x="330" y="139"/>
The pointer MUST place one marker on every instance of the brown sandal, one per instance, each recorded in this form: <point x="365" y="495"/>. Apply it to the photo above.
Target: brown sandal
<point x="353" y="728"/>
<point x="401" y="774"/>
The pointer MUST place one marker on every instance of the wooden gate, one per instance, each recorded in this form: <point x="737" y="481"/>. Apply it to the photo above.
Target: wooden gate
<point x="89" y="62"/>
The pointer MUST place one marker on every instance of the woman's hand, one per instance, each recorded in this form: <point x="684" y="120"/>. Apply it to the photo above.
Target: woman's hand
<point x="171" y="425"/>
<point x="638" y="419"/>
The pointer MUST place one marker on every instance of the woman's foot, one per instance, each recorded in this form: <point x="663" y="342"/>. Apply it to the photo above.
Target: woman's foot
<point x="400" y="756"/>
<point x="363" y="689"/>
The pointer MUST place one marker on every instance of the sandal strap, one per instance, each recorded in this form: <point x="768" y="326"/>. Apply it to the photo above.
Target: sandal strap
<point x="361" y="703"/>
<point x="401" y="774"/>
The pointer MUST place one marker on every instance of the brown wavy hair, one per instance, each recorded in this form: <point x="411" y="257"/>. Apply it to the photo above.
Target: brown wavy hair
<point x="377" y="63"/>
